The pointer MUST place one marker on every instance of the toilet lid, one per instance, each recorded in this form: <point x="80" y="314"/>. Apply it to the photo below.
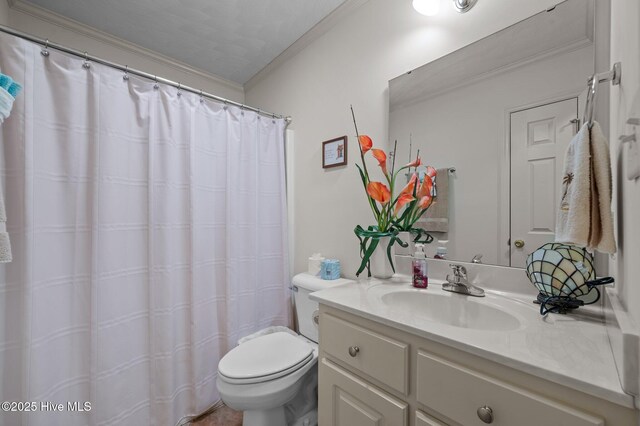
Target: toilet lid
<point x="265" y="358"/>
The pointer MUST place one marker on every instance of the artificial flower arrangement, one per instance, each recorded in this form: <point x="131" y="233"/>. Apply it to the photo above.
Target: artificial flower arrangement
<point x="393" y="213"/>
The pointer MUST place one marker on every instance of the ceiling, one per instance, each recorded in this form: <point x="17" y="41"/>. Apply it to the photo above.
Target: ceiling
<point x="232" y="39"/>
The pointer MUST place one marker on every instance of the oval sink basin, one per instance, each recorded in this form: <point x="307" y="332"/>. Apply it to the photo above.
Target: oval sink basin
<point x="451" y="309"/>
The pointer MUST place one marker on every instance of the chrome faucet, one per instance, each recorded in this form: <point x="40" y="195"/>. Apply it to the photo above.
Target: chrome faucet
<point x="477" y="258"/>
<point x="459" y="282"/>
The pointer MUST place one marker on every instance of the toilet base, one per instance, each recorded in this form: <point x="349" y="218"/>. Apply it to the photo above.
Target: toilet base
<point x="273" y="417"/>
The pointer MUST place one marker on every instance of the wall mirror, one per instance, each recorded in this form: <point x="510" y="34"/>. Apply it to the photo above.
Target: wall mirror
<point x="501" y="112"/>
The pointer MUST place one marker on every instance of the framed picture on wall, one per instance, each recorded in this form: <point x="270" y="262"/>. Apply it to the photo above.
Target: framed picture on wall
<point x="334" y="152"/>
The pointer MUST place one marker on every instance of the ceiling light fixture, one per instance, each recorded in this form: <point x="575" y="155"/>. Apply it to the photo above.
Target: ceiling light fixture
<point x="432" y="7"/>
<point x="463" y="6"/>
<point x="427" y="7"/>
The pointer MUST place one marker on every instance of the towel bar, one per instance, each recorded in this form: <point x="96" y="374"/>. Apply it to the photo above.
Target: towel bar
<point x="614" y="76"/>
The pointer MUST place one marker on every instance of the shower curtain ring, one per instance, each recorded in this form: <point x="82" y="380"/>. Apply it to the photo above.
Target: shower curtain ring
<point x="156" y="85"/>
<point x="201" y="96"/>
<point x="225" y="107"/>
<point x="179" y="89"/>
<point x="45" y="52"/>
<point x="125" y="77"/>
<point x="86" y="65"/>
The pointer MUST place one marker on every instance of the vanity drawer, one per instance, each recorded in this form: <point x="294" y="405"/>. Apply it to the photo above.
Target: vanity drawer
<point x="458" y="392"/>
<point x="381" y="357"/>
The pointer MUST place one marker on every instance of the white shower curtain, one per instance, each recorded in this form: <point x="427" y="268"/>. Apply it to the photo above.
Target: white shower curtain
<point x="148" y="230"/>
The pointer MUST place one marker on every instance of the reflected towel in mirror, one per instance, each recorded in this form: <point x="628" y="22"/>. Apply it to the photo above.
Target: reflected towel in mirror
<point x="436" y="219"/>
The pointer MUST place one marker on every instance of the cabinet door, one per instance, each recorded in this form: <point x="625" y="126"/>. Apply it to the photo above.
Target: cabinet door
<point x="423" y="419"/>
<point x="347" y="400"/>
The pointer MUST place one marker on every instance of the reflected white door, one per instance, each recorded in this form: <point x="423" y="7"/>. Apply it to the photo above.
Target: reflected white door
<point x="539" y="139"/>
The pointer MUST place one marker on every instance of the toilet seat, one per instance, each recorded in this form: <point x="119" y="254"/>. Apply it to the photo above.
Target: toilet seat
<point x="265" y="358"/>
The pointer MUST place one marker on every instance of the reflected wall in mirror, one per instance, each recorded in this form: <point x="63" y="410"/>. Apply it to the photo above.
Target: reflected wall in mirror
<point x="501" y="112"/>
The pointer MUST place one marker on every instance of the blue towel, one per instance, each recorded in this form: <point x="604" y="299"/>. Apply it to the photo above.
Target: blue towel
<point x="12" y="87"/>
<point x="9" y="89"/>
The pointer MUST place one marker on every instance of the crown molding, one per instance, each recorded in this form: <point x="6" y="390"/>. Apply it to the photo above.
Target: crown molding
<point x="318" y="30"/>
<point x="473" y="78"/>
<point x="101" y="36"/>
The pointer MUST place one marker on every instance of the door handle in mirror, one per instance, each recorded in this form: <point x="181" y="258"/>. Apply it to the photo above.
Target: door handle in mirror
<point x="519" y="243"/>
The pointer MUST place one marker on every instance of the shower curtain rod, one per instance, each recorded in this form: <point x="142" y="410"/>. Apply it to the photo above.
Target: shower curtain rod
<point x="47" y="44"/>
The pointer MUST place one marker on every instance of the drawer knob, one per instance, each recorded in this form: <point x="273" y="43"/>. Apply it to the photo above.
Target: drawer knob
<point x="353" y="351"/>
<point x="485" y="414"/>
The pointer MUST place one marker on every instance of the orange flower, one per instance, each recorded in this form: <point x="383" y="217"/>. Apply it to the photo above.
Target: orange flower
<point x="431" y="172"/>
<point x="425" y="202"/>
<point x="410" y="186"/>
<point x="402" y="200"/>
<point x="415" y="163"/>
<point x="426" y="187"/>
<point x="382" y="159"/>
<point x="365" y="143"/>
<point x="379" y="192"/>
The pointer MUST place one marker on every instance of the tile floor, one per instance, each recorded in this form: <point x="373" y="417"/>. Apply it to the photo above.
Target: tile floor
<point x="223" y="416"/>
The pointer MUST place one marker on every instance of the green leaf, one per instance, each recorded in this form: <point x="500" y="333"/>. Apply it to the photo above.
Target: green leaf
<point x="401" y="243"/>
<point x="369" y="240"/>
<point x="428" y="239"/>
<point x="373" y="205"/>
<point x="389" y="256"/>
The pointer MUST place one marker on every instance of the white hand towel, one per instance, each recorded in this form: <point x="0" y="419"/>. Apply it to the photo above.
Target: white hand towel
<point x="5" y="244"/>
<point x="601" y="236"/>
<point x="574" y="216"/>
<point x="584" y="217"/>
<point x="9" y="89"/>
<point x="6" y="103"/>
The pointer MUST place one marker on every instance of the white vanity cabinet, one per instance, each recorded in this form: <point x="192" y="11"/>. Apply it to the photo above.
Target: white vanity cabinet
<point x="373" y="374"/>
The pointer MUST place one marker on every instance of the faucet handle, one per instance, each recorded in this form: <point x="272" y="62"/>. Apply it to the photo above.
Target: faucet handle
<point x="459" y="283"/>
<point x="458" y="270"/>
<point x="477" y="258"/>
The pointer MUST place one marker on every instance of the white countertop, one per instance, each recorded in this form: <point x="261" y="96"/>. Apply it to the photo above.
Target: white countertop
<point x="572" y="350"/>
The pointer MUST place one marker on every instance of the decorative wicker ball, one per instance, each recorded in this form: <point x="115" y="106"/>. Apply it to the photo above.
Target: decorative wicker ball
<point x="558" y="269"/>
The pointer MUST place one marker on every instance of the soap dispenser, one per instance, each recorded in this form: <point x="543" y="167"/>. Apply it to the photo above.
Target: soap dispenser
<point x="419" y="267"/>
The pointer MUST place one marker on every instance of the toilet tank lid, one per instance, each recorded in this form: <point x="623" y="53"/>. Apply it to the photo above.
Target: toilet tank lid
<point x="315" y="283"/>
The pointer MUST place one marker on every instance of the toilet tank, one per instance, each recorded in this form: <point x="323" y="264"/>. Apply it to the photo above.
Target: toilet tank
<point x="306" y="309"/>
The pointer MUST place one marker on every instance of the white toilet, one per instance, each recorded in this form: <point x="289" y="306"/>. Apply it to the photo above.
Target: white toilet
<point x="273" y="377"/>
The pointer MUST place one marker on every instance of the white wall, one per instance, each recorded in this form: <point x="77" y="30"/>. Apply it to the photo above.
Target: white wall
<point x="35" y="21"/>
<point x="352" y="64"/>
<point x="465" y="128"/>
<point x="4" y="12"/>
<point x="625" y="103"/>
